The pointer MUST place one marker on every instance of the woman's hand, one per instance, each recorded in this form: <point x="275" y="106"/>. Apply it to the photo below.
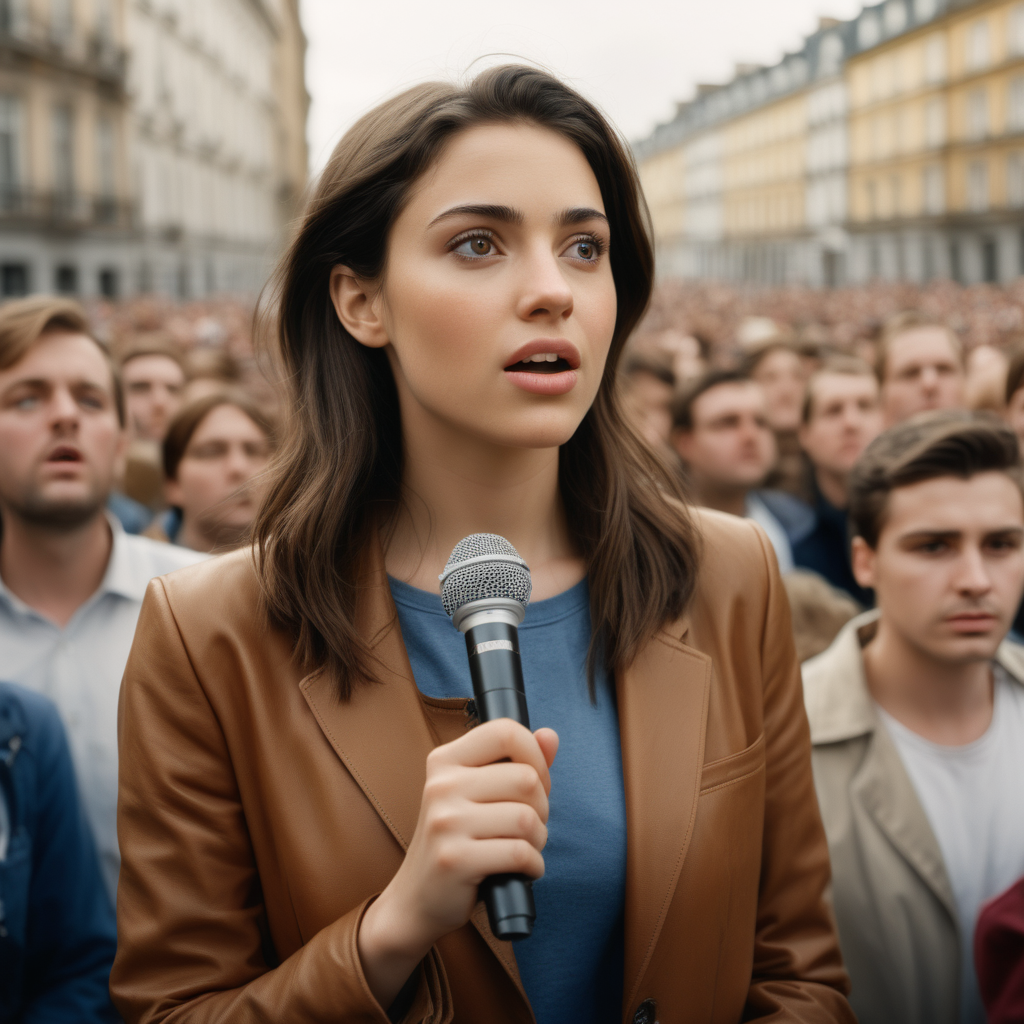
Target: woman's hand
<point x="484" y="812"/>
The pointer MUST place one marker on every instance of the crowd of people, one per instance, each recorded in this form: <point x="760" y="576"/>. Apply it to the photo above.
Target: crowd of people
<point x="872" y="435"/>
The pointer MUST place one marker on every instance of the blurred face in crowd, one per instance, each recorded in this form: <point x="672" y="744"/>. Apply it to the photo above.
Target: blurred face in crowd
<point x="1015" y="414"/>
<point x="648" y="406"/>
<point x="948" y="569"/>
<point x="498" y="306"/>
<point x="782" y="376"/>
<point x="731" y="447"/>
<point x="154" y="388"/>
<point x="217" y="487"/>
<point x="845" y="417"/>
<point x="61" y="442"/>
<point x="922" y="372"/>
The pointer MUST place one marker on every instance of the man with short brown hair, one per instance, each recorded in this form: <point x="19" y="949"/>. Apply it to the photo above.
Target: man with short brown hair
<point x="841" y="417"/>
<point x="920" y="367"/>
<point x="71" y="580"/>
<point x="917" y="716"/>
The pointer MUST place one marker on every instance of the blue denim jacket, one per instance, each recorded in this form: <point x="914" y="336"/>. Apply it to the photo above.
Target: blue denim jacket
<point x="57" y="932"/>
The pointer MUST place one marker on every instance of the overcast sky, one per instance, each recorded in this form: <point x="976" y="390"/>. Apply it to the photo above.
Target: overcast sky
<point x="635" y="65"/>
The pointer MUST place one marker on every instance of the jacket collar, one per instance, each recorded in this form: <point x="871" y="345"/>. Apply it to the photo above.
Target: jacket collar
<point x="840" y="708"/>
<point x="839" y="704"/>
<point x="382" y="736"/>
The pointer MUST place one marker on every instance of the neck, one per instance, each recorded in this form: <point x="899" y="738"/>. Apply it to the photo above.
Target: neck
<point x="453" y="486"/>
<point x="945" y="702"/>
<point x="54" y="571"/>
<point x="191" y="534"/>
<point x="832" y="486"/>
<point x="723" y="497"/>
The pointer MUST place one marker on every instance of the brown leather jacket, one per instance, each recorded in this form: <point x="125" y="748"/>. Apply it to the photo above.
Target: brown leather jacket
<point x="258" y="815"/>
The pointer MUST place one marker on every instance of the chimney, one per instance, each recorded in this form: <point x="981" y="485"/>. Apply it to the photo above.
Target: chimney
<point x="826" y="23"/>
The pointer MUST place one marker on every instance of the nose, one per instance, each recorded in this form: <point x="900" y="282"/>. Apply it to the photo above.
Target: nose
<point x="972" y="578"/>
<point x="929" y="378"/>
<point x="545" y="294"/>
<point x="64" y="410"/>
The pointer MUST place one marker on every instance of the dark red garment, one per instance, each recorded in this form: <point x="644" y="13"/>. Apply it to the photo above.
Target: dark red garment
<point x="999" y="956"/>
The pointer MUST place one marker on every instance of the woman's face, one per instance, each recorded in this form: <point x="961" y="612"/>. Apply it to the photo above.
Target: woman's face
<point x="498" y="304"/>
<point x="218" y="488"/>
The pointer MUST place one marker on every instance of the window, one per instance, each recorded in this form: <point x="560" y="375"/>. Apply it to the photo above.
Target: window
<point x="955" y="269"/>
<point x="1015" y="179"/>
<point x="65" y="279"/>
<point x="63" y="150"/>
<point x="1015" y="107"/>
<point x="989" y="260"/>
<point x="105" y="157"/>
<point x="871" y="198"/>
<point x="10" y="151"/>
<point x="896" y="195"/>
<point x="935" y="123"/>
<point x="1015" y="42"/>
<point x="935" y="60"/>
<point x="108" y="282"/>
<point x="868" y="30"/>
<point x="13" y="17"/>
<point x="62" y="21"/>
<point x="924" y="9"/>
<point x="977" y="186"/>
<point x="977" y="113"/>
<point x="934" y="189"/>
<point x="978" y="48"/>
<point x="13" y="280"/>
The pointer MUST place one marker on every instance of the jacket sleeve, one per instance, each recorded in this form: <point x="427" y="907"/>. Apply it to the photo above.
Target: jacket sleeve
<point x="798" y="971"/>
<point x="70" y="935"/>
<point x="193" y="942"/>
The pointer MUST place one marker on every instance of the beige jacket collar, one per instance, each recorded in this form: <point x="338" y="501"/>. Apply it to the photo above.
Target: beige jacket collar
<point x="839" y="704"/>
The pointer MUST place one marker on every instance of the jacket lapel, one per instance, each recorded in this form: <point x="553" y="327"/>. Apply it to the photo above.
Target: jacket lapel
<point x="663" y="709"/>
<point x="381" y="733"/>
<point x="884" y="789"/>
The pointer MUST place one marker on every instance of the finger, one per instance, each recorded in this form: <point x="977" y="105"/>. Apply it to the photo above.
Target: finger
<point x="505" y="821"/>
<point x="504" y="782"/>
<point x="494" y="741"/>
<point x="487" y="857"/>
<point x="548" y="740"/>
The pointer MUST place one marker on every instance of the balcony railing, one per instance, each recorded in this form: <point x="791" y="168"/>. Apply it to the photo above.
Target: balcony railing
<point x="62" y="210"/>
<point x="93" y="55"/>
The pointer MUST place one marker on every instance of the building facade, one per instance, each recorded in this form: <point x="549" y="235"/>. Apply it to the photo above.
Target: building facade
<point x="148" y="145"/>
<point x="891" y="146"/>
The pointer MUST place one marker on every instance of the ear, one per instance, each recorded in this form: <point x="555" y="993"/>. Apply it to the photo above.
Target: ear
<point x="862" y="562"/>
<point x="356" y="301"/>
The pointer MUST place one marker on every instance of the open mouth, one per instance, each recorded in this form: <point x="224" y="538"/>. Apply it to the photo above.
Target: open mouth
<point x="65" y="454"/>
<point x="543" y="362"/>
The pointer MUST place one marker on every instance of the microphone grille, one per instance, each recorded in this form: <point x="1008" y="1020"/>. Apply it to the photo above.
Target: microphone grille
<point x="484" y="565"/>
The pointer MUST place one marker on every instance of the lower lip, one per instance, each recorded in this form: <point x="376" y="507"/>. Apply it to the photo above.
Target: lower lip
<point x="543" y="383"/>
<point x="981" y="624"/>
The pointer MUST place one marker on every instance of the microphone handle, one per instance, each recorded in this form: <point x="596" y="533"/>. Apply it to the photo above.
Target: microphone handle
<point x="497" y="674"/>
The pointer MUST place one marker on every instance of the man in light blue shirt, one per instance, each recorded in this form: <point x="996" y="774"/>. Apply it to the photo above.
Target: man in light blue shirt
<point x="71" y="580"/>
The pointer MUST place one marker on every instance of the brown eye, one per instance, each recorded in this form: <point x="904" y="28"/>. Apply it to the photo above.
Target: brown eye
<point x="585" y="250"/>
<point x="480" y="245"/>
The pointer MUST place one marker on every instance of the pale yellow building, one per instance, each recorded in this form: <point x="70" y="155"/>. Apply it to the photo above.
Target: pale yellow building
<point x="937" y="150"/>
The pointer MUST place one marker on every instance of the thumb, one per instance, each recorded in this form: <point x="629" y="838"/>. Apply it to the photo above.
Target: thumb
<point x="548" y="742"/>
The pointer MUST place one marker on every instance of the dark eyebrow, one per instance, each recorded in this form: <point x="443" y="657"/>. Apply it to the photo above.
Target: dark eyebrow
<point x="505" y="214"/>
<point x="509" y="215"/>
<point x="578" y="214"/>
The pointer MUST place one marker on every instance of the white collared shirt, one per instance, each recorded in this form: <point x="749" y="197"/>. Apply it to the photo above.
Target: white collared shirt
<point x="80" y="666"/>
<point x="765" y="518"/>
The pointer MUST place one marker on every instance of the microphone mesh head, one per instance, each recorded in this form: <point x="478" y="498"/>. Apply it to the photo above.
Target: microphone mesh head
<point x="488" y="578"/>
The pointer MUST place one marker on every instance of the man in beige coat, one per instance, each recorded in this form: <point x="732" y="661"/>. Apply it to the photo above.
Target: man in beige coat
<point x="917" y="717"/>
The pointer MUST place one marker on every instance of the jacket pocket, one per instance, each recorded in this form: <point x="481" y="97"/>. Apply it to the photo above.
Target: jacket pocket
<point x="734" y="768"/>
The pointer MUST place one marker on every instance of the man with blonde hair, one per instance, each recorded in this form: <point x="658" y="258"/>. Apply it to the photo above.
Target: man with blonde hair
<point x="71" y="580"/>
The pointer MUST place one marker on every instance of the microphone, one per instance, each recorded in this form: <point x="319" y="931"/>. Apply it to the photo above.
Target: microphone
<point x="485" y="588"/>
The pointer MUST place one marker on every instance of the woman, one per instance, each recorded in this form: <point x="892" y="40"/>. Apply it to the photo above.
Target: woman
<point x="214" y="455"/>
<point x="305" y="812"/>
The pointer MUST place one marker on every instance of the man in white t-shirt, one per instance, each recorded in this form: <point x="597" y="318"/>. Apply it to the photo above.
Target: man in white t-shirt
<point x="917" y="716"/>
<point x="71" y="580"/>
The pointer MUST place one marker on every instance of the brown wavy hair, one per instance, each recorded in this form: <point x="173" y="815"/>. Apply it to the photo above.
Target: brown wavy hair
<point x="338" y="475"/>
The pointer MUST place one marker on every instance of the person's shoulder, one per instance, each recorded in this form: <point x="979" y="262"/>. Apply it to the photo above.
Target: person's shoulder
<point x="156" y="558"/>
<point x="732" y="549"/>
<point x="28" y="715"/>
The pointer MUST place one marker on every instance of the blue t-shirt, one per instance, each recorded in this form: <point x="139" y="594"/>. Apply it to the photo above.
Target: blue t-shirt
<point x="571" y="967"/>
